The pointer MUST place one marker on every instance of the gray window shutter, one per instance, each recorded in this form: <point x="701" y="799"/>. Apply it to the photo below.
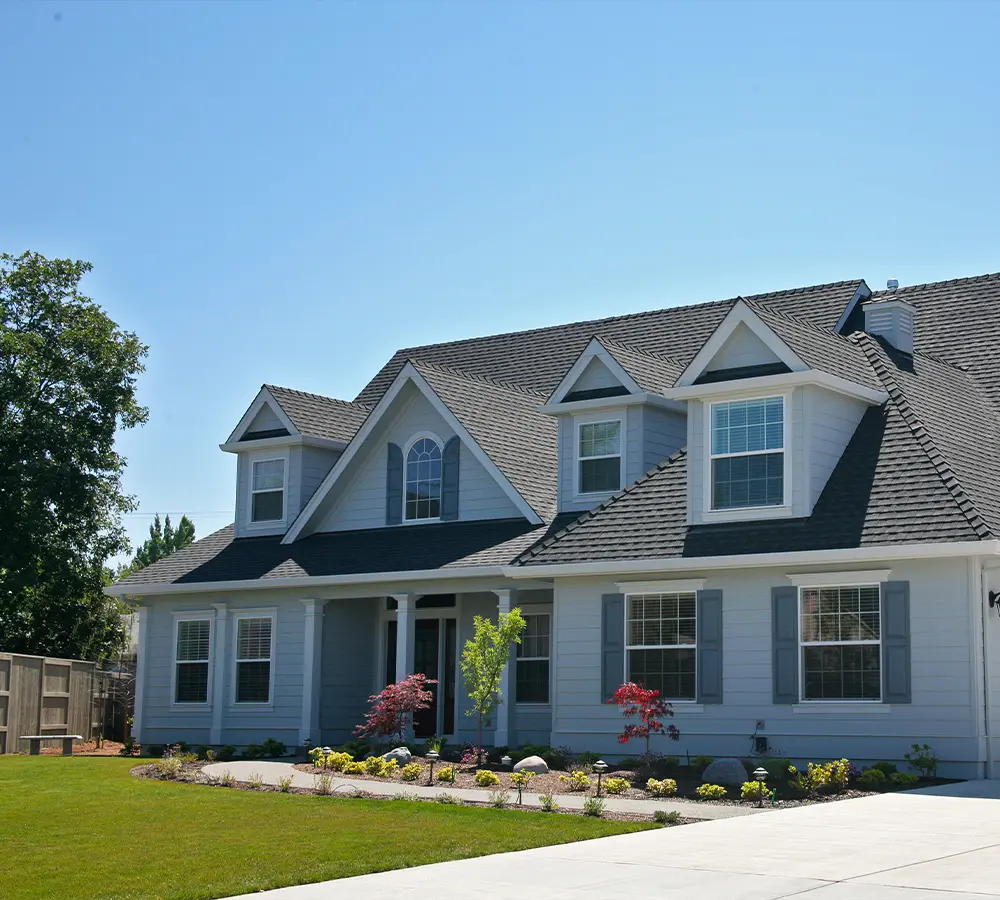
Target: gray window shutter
<point x="449" y="478"/>
<point x="612" y="644"/>
<point x="394" y="486"/>
<point x="710" y="646"/>
<point x="896" y="642"/>
<point x="785" y="643"/>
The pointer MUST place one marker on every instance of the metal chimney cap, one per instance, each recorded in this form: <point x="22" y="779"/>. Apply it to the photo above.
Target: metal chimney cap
<point x="892" y="284"/>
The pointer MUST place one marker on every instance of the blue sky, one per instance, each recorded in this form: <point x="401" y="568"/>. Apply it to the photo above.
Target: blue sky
<point x="288" y="192"/>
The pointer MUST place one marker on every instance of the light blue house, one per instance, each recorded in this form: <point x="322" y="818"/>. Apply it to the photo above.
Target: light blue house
<point x="782" y="511"/>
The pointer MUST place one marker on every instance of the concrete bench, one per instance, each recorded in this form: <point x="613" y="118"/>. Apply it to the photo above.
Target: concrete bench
<point x="35" y="742"/>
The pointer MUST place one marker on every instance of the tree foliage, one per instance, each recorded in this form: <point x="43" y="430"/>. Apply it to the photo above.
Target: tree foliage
<point x="483" y="659"/>
<point x="636" y="701"/>
<point x="163" y="540"/>
<point x="67" y="384"/>
<point x="393" y="707"/>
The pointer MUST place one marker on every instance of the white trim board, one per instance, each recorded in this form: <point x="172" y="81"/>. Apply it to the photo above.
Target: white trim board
<point x="264" y="396"/>
<point x="862" y="293"/>
<point x="746" y="387"/>
<point x="407" y="374"/>
<point x="594" y="350"/>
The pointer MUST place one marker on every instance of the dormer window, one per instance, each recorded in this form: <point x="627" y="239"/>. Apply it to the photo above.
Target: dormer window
<point x="599" y="457"/>
<point x="748" y="453"/>
<point x="423" y="480"/>
<point x="267" y="491"/>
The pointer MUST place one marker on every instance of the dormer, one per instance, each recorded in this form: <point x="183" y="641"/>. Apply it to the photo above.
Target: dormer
<point x="614" y="422"/>
<point x="285" y="444"/>
<point x="772" y="403"/>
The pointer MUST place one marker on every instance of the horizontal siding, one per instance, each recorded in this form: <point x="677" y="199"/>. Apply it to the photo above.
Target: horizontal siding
<point x="265" y="420"/>
<point x="664" y="432"/>
<point x="741" y="348"/>
<point x="594" y="377"/>
<point x="316" y="463"/>
<point x="348" y="665"/>
<point x="632" y="448"/>
<point x="833" y="419"/>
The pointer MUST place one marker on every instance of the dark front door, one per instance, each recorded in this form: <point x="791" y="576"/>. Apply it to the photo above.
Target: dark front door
<point x="426" y="657"/>
<point x="435" y="649"/>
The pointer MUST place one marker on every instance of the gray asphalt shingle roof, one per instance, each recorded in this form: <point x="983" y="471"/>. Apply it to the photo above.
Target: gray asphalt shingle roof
<point x="319" y="416"/>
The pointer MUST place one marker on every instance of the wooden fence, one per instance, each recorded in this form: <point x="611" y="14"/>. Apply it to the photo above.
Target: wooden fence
<point x="39" y="695"/>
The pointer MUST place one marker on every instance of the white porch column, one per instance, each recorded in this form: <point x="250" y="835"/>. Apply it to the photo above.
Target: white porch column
<point x="218" y="672"/>
<point x="311" y="671"/>
<point x="405" y="640"/>
<point x="141" y="661"/>
<point x="505" y="711"/>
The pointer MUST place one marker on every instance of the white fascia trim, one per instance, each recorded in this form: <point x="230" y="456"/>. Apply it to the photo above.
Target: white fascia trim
<point x="862" y="293"/>
<point x="740" y="314"/>
<point x="308" y="581"/>
<point x="594" y="350"/>
<point x="264" y="396"/>
<point x="407" y="373"/>
<point x="292" y="440"/>
<point x="687" y="586"/>
<point x="759" y="560"/>
<point x="839" y="579"/>
<point x="559" y="409"/>
<point x="764" y="383"/>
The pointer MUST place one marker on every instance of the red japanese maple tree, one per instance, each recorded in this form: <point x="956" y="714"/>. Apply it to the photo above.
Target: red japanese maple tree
<point x="393" y="707"/>
<point x="634" y="701"/>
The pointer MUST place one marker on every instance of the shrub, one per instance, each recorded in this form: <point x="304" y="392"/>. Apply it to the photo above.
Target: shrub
<point x="548" y="802"/>
<point x="271" y="747"/>
<point x="922" y="760"/>
<point x="700" y="763"/>
<point x="811" y="782"/>
<point x="285" y="783"/>
<point x="593" y="806"/>
<point x="253" y="751"/>
<point x="318" y="756"/>
<point x="210" y="755"/>
<point x="336" y="760"/>
<point x="710" y="791"/>
<point x="777" y="767"/>
<point x="616" y="785"/>
<point x="411" y="771"/>
<point x="904" y="779"/>
<point x="578" y="780"/>
<point x="380" y="768"/>
<point x="358" y="749"/>
<point x="393" y="707"/>
<point x="666" y="787"/>
<point x="227" y="779"/>
<point x="129" y="747"/>
<point x="662" y="817"/>
<point x="886" y="768"/>
<point x="323" y="784"/>
<point x="631" y="763"/>
<point x="435" y="743"/>
<point x="584" y="760"/>
<point x="255" y="782"/>
<point x="670" y="763"/>
<point x="838" y="775"/>
<point x="872" y="779"/>
<point x="168" y="766"/>
<point x="449" y="799"/>
<point x="498" y="798"/>
<point x="471" y="754"/>
<point x="447" y="774"/>
<point x="226" y="752"/>
<point x="354" y="767"/>
<point x="486" y="778"/>
<point x="755" y="790"/>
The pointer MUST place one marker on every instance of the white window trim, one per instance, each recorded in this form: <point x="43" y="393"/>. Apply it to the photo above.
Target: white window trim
<point x="429" y="435"/>
<point x="268" y="613"/>
<point x="687" y="586"/>
<point x="673" y="701"/>
<point x="535" y="704"/>
<point x="252" y="459"/>
<point x="743" y="513"/>
<point x="840" y="579"/>
<point x="193" y="616"/>
<point x="846" y="704"/>
<point x="598" y="419"/>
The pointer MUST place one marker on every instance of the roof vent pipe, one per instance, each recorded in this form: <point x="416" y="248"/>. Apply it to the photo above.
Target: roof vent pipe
<point x="892" y="320"/>
<point x="892" y="284"/>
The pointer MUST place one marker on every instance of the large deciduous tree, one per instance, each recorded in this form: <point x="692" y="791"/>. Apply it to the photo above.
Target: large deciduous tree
<point x="67" y="384"/>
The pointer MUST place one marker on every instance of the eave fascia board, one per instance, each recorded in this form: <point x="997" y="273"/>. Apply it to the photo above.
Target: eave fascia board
<point x="740" y="314"/>
<point x="305" y="581"/>
<point x="264" y="396"/>
<point x="765" y="383"/>
<point x="594" y="350"/>
<point x="559" y="409"/>
<point x="862" y="293"/>
<point x="292" y="440"/>
<point x="758" y="560"/>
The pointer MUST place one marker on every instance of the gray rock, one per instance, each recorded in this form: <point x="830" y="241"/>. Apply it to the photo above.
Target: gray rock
<point x="400" y="754"/>
<point x="532" y="764"/>
<point x="730" y="772"/>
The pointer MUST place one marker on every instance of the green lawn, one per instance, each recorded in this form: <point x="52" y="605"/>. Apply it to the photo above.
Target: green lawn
<point x="84" y="827"/>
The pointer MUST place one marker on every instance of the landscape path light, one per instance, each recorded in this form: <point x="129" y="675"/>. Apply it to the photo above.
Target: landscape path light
<point x="760" y="773"/>
<point x="432" y="757"/>
<point x="600" y="767"/>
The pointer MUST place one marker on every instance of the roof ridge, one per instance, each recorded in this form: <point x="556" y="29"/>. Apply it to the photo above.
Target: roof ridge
<point x="352" y="403"/>
<point x="941" y="465"/>
<point x="968" y="279"/>
<point x="793" y="320"/>
<point x="633" y="349"/>
<point x="474" y="376"/>
<point x="603" y="505"/>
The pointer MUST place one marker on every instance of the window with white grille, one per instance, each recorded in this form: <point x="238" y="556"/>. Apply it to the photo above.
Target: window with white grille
<point x="191" y="659"/>
<point x="253" y="659"/>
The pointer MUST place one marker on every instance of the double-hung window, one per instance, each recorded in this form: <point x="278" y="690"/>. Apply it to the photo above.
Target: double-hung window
<point x="253" y="659"/>
<point x="533" y="654"/>
<point x="840" y="633"/>
<point x="661" y="635"/>
<point x="191" y="658"/>
<point x="599" y="457"/>
<point x="267" y="491"/>
<point x="748" y="453"/>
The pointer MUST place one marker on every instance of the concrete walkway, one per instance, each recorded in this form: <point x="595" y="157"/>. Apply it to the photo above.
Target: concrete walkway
<point x="270" y="772"/>
<point x="909" y="846"/>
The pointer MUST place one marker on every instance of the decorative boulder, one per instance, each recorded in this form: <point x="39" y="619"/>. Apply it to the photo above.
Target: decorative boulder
<point x="401" y="754"/>
<point x="532" y="764"/>
<point x="730" y="772"/>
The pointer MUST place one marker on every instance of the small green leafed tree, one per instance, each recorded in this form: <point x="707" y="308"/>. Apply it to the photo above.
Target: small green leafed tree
<point x="483" y="659"/>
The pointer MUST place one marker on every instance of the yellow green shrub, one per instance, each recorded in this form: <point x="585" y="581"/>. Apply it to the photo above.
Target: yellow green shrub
<point x="666" y="787"/>
<point x="710" y="791"/>
<point x="486" y="778"/>
<point x="616" y="785"/>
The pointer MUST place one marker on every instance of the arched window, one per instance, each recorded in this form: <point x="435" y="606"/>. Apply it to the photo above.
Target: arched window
<point x="423" y="480"/>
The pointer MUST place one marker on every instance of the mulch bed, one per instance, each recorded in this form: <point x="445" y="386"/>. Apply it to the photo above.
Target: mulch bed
<point x="86" y="748"/>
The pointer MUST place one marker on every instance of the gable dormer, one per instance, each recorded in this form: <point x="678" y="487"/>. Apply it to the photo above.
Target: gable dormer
<point x="772" y="403"/>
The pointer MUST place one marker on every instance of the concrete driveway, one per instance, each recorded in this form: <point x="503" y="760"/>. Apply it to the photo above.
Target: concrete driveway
<point x="940" y="845"/>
